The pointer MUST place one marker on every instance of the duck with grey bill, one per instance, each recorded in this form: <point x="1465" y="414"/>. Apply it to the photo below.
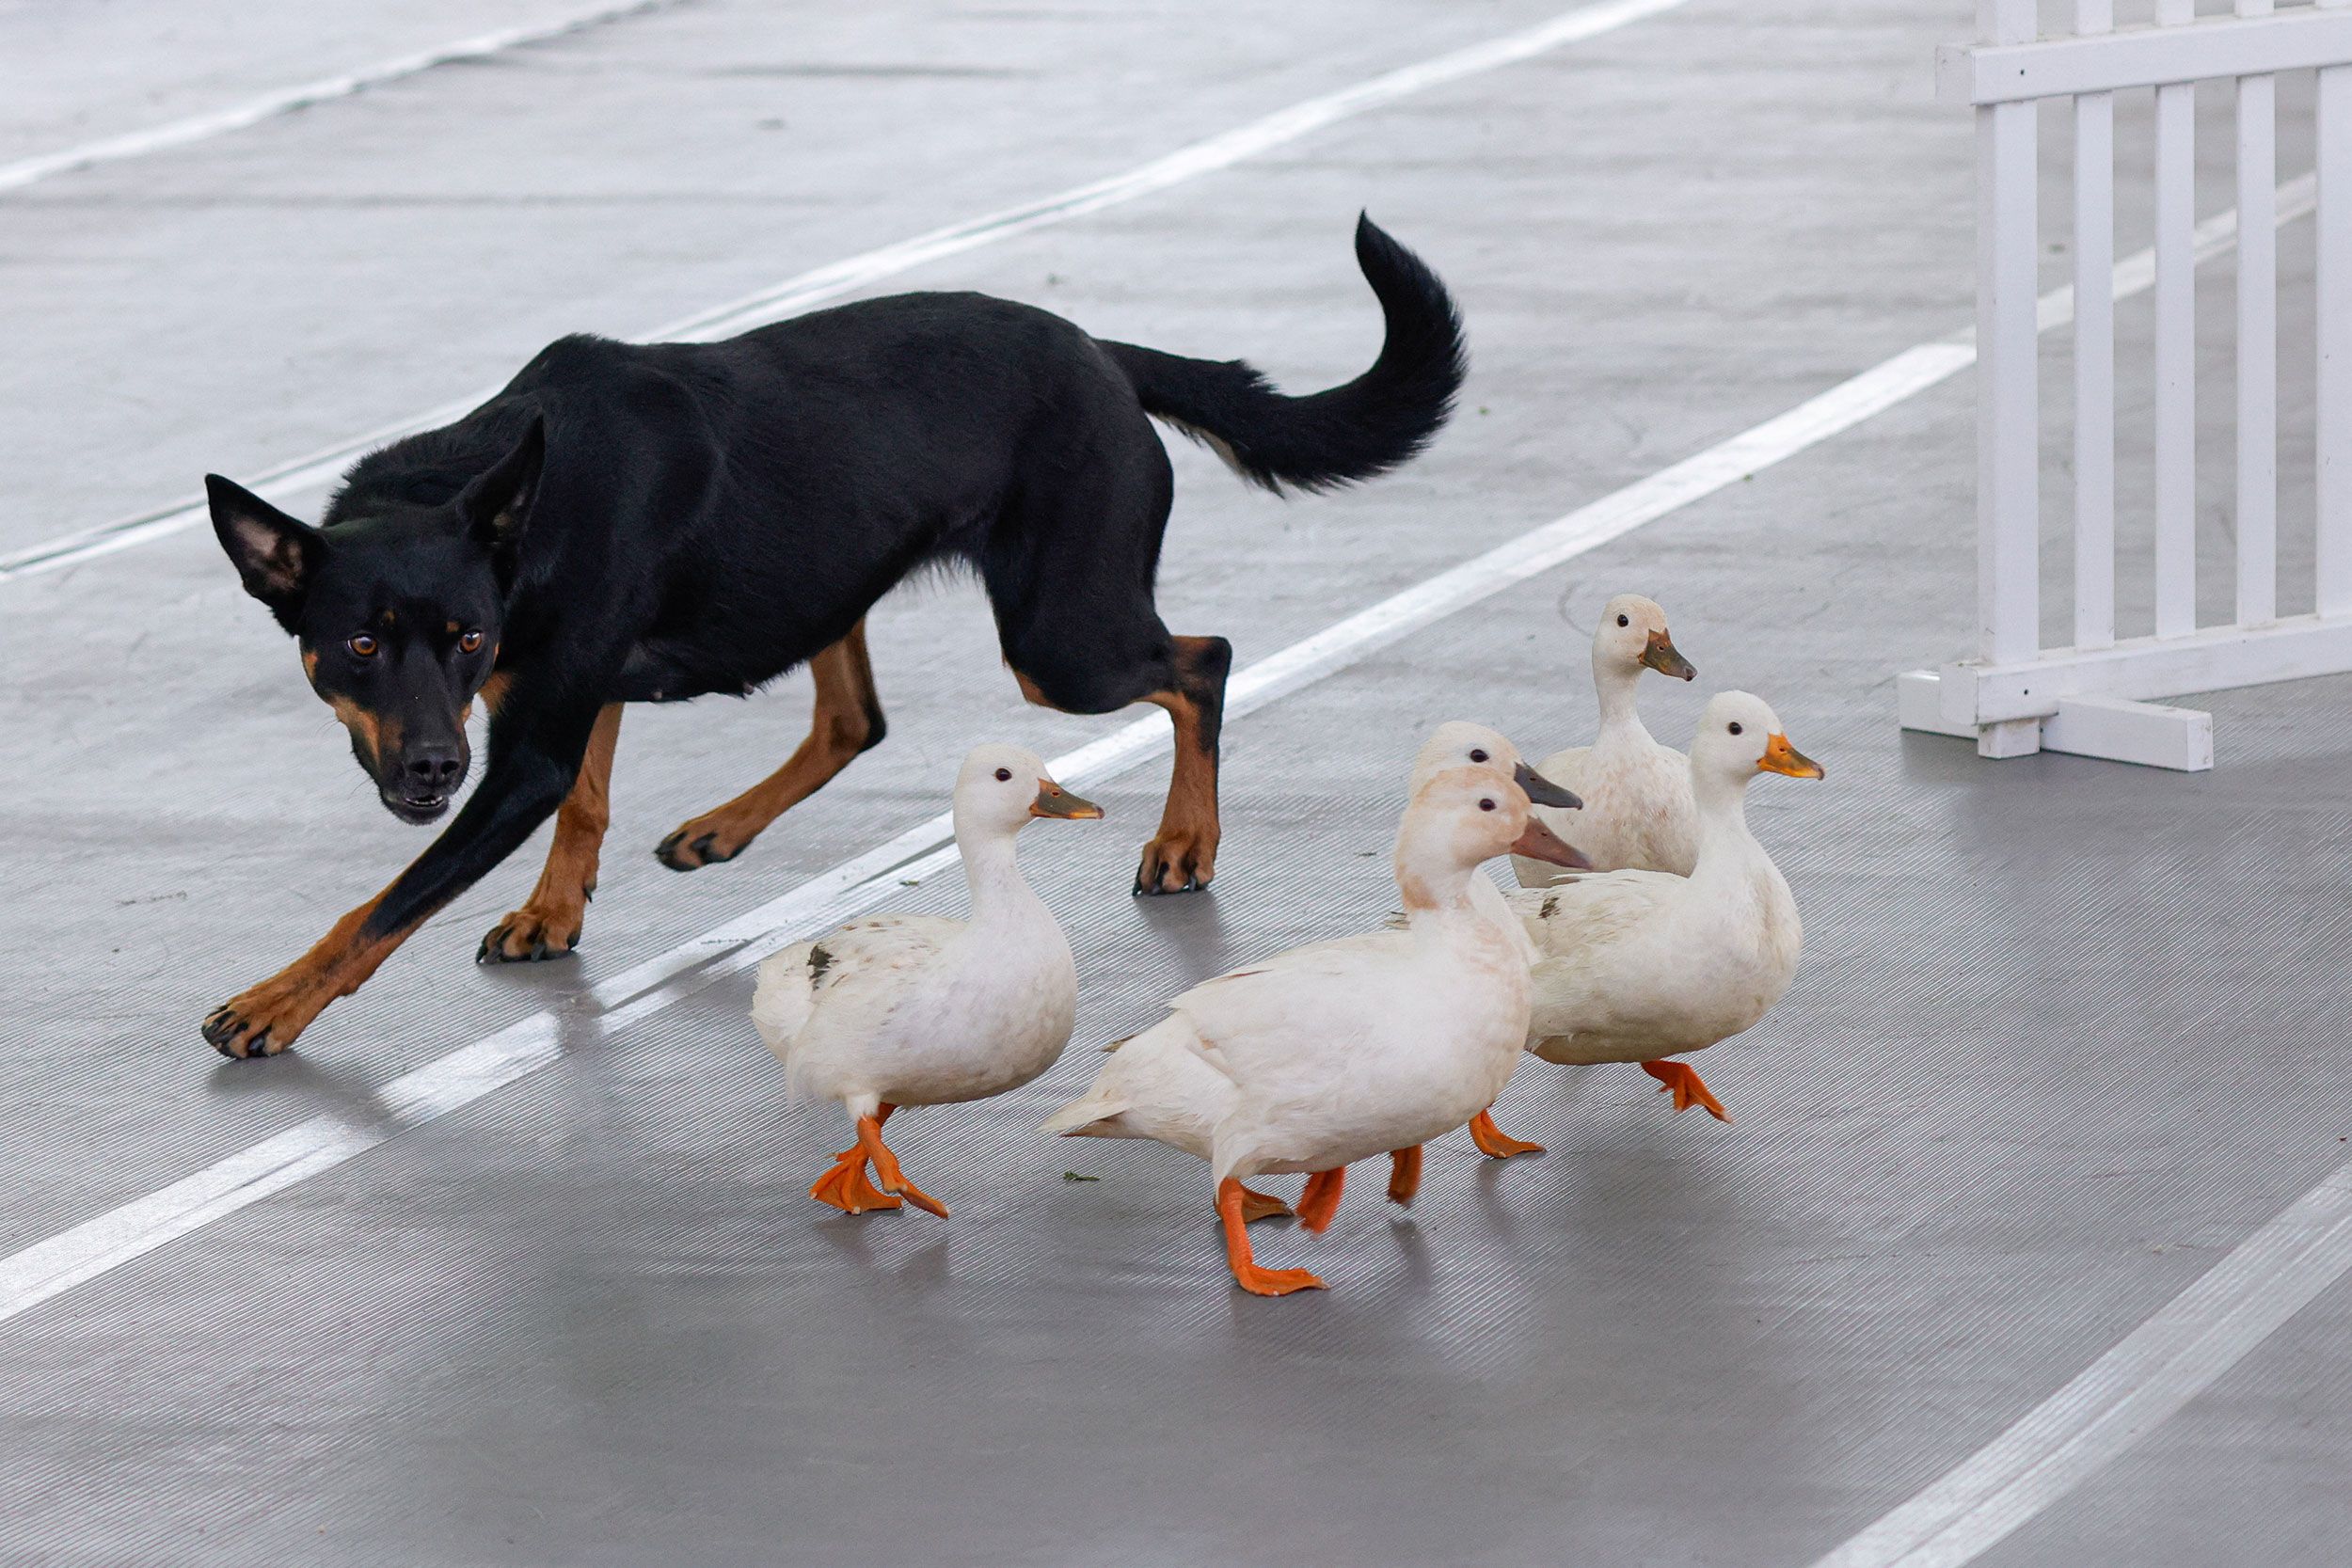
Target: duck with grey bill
<point x="1459" y="743"/>
<point x="1638" y="812"/>
<point x="1322" y="1055"/>
<point x="920" y="1009"/>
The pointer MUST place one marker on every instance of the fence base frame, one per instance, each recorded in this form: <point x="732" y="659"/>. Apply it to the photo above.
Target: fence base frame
<point x="2151" y="734"/>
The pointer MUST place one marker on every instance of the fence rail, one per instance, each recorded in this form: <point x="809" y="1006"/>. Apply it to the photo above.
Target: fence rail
<point x="2015" y="696"/>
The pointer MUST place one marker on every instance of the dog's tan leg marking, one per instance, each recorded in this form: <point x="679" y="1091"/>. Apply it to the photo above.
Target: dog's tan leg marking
<point x="264" y="1021"/>
<point x="548" y="923"/>
<point x="847" y="719"/>
<point x="1181" y="856"/>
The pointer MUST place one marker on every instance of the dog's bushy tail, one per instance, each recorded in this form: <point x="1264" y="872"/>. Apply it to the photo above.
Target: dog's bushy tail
<point x="1353" y="431"/>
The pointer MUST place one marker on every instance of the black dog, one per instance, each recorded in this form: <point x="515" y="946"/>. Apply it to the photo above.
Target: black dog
<point x="628" y="524"/>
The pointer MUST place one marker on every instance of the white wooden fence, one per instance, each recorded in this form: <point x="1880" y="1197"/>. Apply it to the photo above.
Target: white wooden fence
<point x="2016" y="697"/>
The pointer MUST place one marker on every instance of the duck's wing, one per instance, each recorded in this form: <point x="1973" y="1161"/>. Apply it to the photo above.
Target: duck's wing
<point x="859" y="959"/>
<point x="1592" y="909"/>
<point x="1303" y="996"/>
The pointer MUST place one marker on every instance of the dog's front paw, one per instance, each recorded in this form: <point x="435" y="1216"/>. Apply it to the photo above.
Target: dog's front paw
<point x="700" y="843"/>
<point x="528" y="935"/>
<point x="1176" y="861"/>
<point x="265" y="1019"/>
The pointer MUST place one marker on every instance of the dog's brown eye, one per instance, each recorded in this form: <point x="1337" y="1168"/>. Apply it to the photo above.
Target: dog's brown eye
<point x="1478" y="753"/>
<point x="471" y="642"/>
<point x="363" y="645"/>
<point x="1485" y="806"/>
<point x="1003" y="774"/>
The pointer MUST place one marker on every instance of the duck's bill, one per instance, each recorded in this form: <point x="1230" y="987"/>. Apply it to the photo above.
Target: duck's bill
<point x="1540" y="842"/>
<point x="1542" y="791"/>
<point x="1781" y="757"/>
<point x="1661" y="654"/>
<point x="1053" y="801"/>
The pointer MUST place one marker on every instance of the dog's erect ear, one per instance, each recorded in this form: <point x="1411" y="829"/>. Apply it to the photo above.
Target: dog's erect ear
<point x="274" y="554"/>
<point x="497" y="505"/>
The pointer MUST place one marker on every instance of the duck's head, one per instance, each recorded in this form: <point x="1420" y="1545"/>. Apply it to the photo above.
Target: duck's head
<point x="1740" y="737"/>
<point x="1459" y="743"/>
<point x="1633" y="637"/>
<point x="1001" y="787"/>
<point x="1461" y="818"/>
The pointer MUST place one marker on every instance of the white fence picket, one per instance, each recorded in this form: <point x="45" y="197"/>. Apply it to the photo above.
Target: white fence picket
<point x="2176" y="345"/>
<point x="2095" y="349"/>
<point x="2333" y="405"/>
<point x="2257" y="343"/>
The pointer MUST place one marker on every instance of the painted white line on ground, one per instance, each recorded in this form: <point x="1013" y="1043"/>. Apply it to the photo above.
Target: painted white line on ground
<point x="2125" y="1394"/>
<point x="840" y="278"/>
<point x="97" y="1245"/>
<point x="238" y="117"/>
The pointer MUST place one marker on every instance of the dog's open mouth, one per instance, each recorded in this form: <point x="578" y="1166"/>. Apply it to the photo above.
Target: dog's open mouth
<point x="416" y="809"/>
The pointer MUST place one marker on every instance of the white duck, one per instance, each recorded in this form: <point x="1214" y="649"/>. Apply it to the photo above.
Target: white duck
<point x="1459" y="743"/>
<point x="1638" y="813"/>
<point x="916" y="1009"/>
<point x="1639" y="966"/>
<point x="1344" y="1050"/>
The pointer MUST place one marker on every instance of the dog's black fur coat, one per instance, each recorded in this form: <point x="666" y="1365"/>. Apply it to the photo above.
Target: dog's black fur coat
<point x="707" y="516"/>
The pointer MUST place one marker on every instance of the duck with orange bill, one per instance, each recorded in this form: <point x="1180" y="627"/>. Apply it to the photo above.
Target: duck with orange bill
<point x="1338" y="1052"/>
<point x="1644" y="966"/>
<point x="1638" y="811"/>
<point x="912" y="1009"/>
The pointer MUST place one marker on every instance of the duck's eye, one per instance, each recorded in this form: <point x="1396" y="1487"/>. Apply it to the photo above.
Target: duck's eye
<point x="362" y="646"/>
<point x="1487" y="804"/>
<point x="1004" y="775"/>
<point x="1624" y="620"/>
<point x="471" y="642"/>
<point x="1735" y="726"/>
<point x="1478" y="753"/>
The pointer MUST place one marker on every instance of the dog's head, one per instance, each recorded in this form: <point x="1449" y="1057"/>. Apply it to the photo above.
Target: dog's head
<point x="398" y="614"/>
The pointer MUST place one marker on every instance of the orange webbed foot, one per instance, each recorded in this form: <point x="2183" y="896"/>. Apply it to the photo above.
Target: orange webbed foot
<point x="846" y="1188"/>
<point x="1256" y="1205"/>
<point x="1320" y="1202"/>
<point x="1404" y="1175"/>
<point x="1493" y="1142"/>
<point x="891" y="1178"/>
<point x="1246" y="1274"/>
<point x="1679" y="1080"/>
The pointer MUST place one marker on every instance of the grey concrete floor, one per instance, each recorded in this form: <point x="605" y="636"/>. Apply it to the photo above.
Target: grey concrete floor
<point x="2065" y="1033"/>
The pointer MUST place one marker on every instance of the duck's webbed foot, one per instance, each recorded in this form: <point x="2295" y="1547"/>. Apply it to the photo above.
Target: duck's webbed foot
<point x="1679" y="1080"/>
<point x="1493" y="1142"/>
<point x="1246" y="1274"/>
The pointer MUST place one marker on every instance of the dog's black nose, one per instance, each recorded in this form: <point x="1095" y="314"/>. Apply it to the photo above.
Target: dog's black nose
<point x="435" y="769"/>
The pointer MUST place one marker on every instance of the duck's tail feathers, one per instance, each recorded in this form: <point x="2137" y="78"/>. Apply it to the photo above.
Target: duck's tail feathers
<point x="1082" y="1117"/>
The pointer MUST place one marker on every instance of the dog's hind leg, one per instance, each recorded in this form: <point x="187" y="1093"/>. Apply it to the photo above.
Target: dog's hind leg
<point x="1078" y="673"/>
<point x="1181" y="856"/>
<point x="847" y="719"/>
<point x="548" y="926"/>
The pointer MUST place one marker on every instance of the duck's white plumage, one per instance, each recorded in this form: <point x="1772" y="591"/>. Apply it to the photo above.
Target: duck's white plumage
<point x="922" y="1009"/>
<point x="1333" y="1053"/>
<point x="1634" y="966"/>
<point x="1638" y="809"/>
